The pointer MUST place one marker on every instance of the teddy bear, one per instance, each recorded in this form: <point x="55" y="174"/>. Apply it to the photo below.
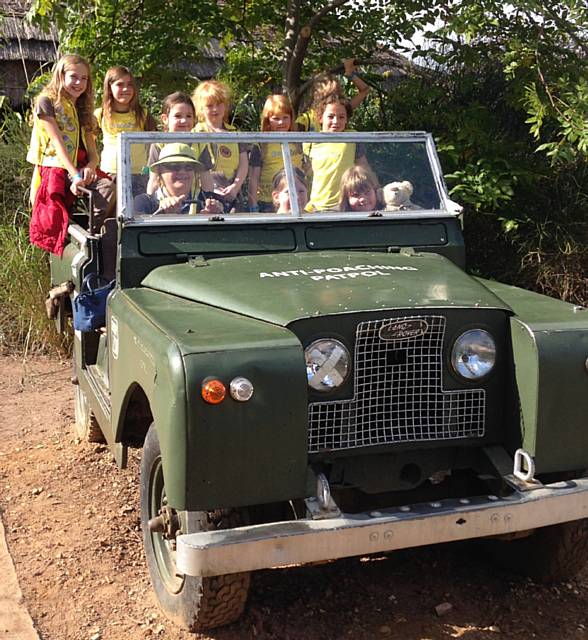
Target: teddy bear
<point x="396" y="196"/>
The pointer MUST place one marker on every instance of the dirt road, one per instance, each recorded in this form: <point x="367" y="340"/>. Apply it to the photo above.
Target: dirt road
<point x="72" y="526"/>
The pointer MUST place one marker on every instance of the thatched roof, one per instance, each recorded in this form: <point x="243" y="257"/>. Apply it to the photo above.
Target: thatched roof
<point x="35" y="50"/>
<point x="15" y="27"/>
<point x="14" y="7"/>
<point x="19" y="40"/>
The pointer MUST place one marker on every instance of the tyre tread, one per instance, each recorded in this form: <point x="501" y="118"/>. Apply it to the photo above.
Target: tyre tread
<point x="551" y="554"/>
<point x="222" y="599"/>
<point x="202" y="603"/>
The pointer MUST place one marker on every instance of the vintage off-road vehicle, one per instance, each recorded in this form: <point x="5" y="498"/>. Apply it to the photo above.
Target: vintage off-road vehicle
<point x="312" y="386"/>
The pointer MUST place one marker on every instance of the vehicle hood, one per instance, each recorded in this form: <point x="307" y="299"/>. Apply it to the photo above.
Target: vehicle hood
<point x="284" y="287"/>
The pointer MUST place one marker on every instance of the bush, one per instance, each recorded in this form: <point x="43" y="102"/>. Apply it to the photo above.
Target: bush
<point x="525" y="220"/>
<point x="24" y="277"/>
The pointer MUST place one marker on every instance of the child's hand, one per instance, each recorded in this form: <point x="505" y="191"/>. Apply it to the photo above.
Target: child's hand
<point x="171" y="204"/>
<point x="88" y="175"/>
<point x="76" y="181"/>
<point x="212" y="206"/>
<point x="230" y="192"/>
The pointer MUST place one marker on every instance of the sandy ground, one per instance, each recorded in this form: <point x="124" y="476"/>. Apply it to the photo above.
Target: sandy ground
<point x="72" y="527"/>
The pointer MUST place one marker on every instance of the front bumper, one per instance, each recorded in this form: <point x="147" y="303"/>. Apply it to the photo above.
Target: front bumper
<point x="278" y="544"/>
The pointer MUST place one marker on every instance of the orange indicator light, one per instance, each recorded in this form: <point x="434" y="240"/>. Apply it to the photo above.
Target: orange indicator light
<point x="213" y="391"/>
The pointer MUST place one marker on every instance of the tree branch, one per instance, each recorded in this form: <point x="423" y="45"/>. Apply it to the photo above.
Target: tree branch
<point x="323" y="12"/>
<point x="294" y="70"/>
<point x="564" y="25"/>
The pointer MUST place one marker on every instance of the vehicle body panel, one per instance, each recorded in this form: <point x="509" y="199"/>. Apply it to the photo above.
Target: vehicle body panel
<point x="550" y="344"/>
<point x="208" y="447"/>
<point x="281" y="288"/>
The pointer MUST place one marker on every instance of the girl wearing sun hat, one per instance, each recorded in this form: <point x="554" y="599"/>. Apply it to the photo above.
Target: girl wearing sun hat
<point x="175" y="171"/>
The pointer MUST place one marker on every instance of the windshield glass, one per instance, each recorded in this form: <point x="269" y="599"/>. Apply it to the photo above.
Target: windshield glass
<point x="223" y="176"/>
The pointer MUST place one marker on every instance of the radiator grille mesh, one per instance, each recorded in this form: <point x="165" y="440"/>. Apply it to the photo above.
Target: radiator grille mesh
<point x="398" y="394"/>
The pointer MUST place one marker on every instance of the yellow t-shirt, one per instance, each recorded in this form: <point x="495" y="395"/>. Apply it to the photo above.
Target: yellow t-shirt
<point x="329" y="162"/>
<point x="119" y="122"/>
<point x="307" y="121"/>
<point x="224" y="157"/>
<point x="271" y="161"/>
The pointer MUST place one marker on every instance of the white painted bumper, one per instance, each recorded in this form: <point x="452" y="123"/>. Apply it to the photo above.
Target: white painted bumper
<point x="302" y="541"/>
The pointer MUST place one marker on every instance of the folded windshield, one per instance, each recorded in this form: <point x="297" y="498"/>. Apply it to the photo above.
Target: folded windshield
<point x="218" y="176"/>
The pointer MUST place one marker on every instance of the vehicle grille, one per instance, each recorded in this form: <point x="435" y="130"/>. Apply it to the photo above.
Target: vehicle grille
<point x="398" y="394"/>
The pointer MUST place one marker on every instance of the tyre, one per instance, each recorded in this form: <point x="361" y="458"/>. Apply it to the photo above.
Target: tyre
<point x="551" y="554"/>
<point x="86" y="425"/>
<point x="192" y="602"/>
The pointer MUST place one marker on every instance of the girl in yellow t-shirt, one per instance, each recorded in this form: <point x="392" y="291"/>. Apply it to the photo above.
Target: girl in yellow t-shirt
<point x="62" y="150"/>
<point x="177" y="116"/>
<point x="325" y="85"/>
<point x="266" y="159"/>
<point x="212" y="100"/>
<point x="122" y="111"/>
<point x="329" y="161"/>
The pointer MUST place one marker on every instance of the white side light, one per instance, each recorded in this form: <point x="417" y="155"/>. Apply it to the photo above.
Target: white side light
<point x="241" y="389"/>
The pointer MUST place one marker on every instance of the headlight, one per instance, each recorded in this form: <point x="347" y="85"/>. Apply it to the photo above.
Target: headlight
<point x="474" y="354"/>
<point x="327" y="364"/>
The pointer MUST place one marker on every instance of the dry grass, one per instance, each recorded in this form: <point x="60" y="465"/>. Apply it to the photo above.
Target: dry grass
<point x="24" y="276"/>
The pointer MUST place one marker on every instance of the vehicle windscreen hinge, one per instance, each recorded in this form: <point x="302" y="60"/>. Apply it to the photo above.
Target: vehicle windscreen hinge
<point x="197" y="261"/>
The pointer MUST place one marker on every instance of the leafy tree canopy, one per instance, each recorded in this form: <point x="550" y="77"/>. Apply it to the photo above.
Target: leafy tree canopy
<point x="538" y="46"/>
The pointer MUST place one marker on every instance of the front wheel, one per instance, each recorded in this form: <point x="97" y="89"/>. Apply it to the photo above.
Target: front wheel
<point x="192" y="602"/>
<point x="551" y="554"/>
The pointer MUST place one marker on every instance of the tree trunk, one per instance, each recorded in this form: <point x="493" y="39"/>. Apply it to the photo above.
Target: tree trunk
<point x="296" y="45"/>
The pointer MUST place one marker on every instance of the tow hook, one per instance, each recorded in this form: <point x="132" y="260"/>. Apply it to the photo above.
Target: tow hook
<point x="522" y="477"/>
<point x="166" y="523"/>
<point x="322" y="506"/>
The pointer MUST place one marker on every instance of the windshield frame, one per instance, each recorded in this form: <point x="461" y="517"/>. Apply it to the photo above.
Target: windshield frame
<point x="125" y="198"/>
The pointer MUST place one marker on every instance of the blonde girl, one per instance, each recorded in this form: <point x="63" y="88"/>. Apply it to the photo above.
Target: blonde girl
<point x="360" y="190"/>
<point x="266" y="159"/>
<point x="229" y="162"/>
<point x="63" y="150"/>
<point x="326" y="85"/>
<point x="121" y="111"/>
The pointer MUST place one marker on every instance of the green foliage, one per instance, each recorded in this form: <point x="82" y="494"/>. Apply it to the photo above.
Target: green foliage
<point x="540" y="48"/>
<point x="525" y="216"/>
<point x="24" y="277"/>
<point x="484" y="184"/>
<point x="145" y="36"/>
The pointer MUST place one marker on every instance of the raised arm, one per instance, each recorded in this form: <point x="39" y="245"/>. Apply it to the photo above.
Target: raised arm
<point x="361" y="86"/>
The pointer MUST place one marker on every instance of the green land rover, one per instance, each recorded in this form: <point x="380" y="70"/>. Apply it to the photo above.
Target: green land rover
<point x="314" y="385"/>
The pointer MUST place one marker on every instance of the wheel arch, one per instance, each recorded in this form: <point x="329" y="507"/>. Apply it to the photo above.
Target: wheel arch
<point x="135" y="416"/>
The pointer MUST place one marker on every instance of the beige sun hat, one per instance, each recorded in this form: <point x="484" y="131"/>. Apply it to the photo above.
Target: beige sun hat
<point x="177" y="152"/>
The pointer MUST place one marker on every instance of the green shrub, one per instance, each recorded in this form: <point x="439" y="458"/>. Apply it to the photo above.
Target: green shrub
<point x="24" y="277"/>
<point x="525" y="215"/>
